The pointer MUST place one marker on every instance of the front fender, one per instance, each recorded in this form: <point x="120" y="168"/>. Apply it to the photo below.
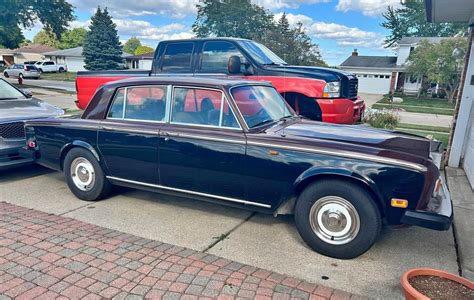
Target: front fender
<point x="318" y="172"/>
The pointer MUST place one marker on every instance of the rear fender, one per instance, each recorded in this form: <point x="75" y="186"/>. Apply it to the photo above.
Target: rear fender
<point x="65" y="149"/>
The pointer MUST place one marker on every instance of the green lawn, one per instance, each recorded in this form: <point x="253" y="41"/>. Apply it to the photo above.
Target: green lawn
<point x="422" y="105"/>
<point x="424" y="127"/>
<point x="66" y="76"/>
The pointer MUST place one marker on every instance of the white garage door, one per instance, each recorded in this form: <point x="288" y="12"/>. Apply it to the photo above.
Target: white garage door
<point x="374" y="84"/>
<point x="469" y="151"/>
<point x="75" y="64"/>
<point x="145" y="64"/>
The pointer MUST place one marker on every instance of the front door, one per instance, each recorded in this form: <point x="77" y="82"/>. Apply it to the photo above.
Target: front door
<point x="129" y="137"/>
<point x="202" y="149"/>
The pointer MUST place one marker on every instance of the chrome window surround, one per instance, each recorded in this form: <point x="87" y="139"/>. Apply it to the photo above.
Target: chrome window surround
<point x="168" y="120"/>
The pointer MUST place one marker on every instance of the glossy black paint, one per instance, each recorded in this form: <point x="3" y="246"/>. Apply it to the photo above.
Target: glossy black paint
<point x="267" y="167"/>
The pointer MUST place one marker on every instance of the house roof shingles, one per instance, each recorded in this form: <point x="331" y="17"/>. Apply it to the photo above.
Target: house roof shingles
<point x="73" y="52"/>
<point x="34" y="48"/>
<point x="361" y="61"/>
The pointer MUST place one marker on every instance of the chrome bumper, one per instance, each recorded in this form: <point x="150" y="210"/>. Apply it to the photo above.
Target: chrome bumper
<point x="439" y="213"/>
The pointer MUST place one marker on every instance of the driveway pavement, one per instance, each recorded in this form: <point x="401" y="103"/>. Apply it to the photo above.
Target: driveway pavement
<point x="254" y="239"/>
<point x="46" y="256"/>
<point x="62" y="100"/>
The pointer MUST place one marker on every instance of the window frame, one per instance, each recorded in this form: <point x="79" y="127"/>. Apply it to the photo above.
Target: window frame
<point x="191" y="61"/>
<point x="223" y="98"/>
<point x="125" y="88"/>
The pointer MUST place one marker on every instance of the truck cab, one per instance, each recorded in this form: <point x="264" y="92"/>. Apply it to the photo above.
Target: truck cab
<point x="322" y="94"/>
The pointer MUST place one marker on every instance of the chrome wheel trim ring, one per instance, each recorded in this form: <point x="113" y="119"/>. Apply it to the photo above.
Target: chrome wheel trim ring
<point x="83" y="174"/>
<point x="334" y="220"/>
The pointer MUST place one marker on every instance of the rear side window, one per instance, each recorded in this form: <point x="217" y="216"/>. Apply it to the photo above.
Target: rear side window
<point x="215" y="56"/>
<point x="146" y="103"/>
<point x="177" y="57"/>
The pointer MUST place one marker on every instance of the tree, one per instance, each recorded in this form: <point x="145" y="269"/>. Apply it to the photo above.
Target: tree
<point x="231" y="18"/>
<point x="102" y="48"/>
<point x="436" y="63"/>
<point x="53" y="14"/>
<point x="143" y="50"/>
<point x="410" y="20"/>
<point x="73" y="38"/>
<point x="292" y="44"/>
<point x="46" y="38"/>
<point x="131" y="45"/>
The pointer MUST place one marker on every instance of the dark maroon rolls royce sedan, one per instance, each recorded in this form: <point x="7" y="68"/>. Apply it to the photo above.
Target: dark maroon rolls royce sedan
<point x="238" y="143"/>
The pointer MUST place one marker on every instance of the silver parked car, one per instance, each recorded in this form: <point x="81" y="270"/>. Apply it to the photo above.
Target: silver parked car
<point x="23" y="71"/>
<point x="16" y="107"/>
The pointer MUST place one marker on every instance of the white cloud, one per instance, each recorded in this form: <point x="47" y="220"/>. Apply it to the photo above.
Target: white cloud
<point x="146" y="31"/>
<point x="343" y="35"/>
<point x="278" y="4"/>
<point x="125" y="8"/>
<point x="367" y="7"/>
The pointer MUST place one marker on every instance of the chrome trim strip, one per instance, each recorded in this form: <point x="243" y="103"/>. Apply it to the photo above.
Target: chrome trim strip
<point x="131" y="130"/>
<point x="391" y="161"/>
<point x="189" y="192"/>
<point x="206" y="138"/>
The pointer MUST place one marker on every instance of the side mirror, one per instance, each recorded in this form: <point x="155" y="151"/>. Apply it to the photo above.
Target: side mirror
<point x="233" y="65"/>
<point x="27" y="93"/>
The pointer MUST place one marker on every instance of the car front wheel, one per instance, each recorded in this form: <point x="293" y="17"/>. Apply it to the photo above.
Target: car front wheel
<point x="337" y="218"/>
<point x="84" y="176"/>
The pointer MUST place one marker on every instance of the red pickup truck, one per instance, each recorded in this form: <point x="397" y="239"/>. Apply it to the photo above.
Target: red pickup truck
<point x="322" y="94"/>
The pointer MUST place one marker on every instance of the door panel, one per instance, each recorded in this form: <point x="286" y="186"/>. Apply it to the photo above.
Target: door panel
<point x="130" y="150"/>
<point x="202" y="160"/>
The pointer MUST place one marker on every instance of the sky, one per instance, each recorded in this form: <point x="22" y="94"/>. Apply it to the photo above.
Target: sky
<point x="337" y="26"/>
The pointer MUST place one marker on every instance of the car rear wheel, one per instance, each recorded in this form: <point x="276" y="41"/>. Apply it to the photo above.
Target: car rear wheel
<point x="6" y="74"/>
<point x="61" y="70"/>
<point x="40" y="70"/>
<point x="84" y="176"/>
<point x="337" y="218"/>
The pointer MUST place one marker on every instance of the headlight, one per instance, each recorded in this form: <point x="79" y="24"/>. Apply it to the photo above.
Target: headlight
<point x="332" y="89"/>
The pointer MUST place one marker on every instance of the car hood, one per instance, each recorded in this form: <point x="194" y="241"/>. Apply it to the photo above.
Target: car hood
<point x="326" y="74"/>
<point x="360" y="135"/>
<point x="26" y="109"/>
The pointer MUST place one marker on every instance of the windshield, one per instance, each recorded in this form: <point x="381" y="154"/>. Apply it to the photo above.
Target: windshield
<point x="8" y="92"/>
<point x="261" y="54"/>
<point x="260" y="105"/>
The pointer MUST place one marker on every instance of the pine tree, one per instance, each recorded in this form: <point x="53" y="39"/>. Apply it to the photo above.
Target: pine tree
<point x="102" y="48"/>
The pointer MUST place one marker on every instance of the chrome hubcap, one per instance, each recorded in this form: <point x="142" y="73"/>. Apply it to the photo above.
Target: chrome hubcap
<point x="334" y="220"/>
<point x="82" y="174"/>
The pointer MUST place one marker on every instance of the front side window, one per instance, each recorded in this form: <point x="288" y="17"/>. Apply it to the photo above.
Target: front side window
<point x="201" y="107"/>
<point x="145" y="103"/>
<point x="177" y="57"/>
<point x="215" y="56"/>
<point x="260" y="105"/>
<point x="8" y="92"/>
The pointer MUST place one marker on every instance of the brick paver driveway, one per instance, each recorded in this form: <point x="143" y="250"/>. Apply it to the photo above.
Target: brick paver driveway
<point x="46" y="256"/>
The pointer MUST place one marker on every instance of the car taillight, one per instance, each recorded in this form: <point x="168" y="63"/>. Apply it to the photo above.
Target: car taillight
<point x="31" y="143"/>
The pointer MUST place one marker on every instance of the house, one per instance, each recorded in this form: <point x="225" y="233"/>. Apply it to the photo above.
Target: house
<point x="384" y="74"/>
<point x="461" y="148"/>
<point x="141" y="61"/>
<point x="33" y="52"/>
<point x="7" y="57"/>
<point x="72" y="58"/>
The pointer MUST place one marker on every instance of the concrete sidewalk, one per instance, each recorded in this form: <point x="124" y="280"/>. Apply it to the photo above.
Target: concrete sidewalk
<point x="69" y="86"/>
<point x="45" y="256"/>
<point x="463" y="201"/>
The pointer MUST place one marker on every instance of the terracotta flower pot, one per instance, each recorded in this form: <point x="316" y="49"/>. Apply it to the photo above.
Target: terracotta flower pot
<point x="412" y="294"/>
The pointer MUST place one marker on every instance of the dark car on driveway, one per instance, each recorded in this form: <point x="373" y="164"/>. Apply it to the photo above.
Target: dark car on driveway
<point x="17" y="106"/>
<point x="238" y="142"/>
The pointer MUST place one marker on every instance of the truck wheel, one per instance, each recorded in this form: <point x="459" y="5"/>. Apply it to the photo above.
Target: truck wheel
<point x="337" y="218"/>
<point x="61" y="70"/>
<point x="6" y="74"/>
<point x="84" y="176"/>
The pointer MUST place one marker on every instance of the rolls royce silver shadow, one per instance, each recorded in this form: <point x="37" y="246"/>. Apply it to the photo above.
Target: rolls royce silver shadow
<point x="238" y="143"/>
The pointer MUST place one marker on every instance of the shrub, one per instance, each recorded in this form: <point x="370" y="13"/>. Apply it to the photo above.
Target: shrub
<point x="383" y="118"/>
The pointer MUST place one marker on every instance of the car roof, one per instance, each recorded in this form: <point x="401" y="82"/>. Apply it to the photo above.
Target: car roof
<point x="207" y="39"/>
<point x="222" y="82"/>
